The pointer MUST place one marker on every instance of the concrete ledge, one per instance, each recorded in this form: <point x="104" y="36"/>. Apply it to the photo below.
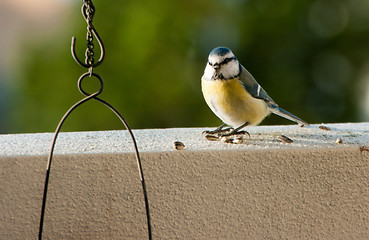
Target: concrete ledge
<point x="312" y="188"/>
<point x="161" y="140"/>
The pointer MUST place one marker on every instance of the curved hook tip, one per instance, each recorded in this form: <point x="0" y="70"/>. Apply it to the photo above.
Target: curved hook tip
<point x="74" y="55"/>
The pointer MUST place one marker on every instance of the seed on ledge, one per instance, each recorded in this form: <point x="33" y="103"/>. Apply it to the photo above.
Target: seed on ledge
<point x="178" y="145"/>
<point x="285" y="139"/>
<point x="211" y="137"/>
<point x="237" y="140"/>
<point x="233" y="140"/>
<point x="325" y="128"/>
<point x="224" y="139"/>
<point x="364" y="148"/>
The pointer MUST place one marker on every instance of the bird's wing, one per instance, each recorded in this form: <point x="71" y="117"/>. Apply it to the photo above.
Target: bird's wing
<point x="252" y="86"/>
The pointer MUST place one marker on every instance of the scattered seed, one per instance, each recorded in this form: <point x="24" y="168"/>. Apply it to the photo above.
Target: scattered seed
<point x="237" y="140"/>
<point x="232" y="140"/>
<point x="285" y="139"/>
<point x="178" y="145"/>
<point x="325" y="128"/>
<point x="225" y="139"/>
<point x="211" y="138"/>
<point x="339" y="140"/>
<point x="364" y="148"/>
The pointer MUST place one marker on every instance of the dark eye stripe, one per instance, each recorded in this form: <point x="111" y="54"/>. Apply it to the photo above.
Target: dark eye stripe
<point x="225" y="61"/>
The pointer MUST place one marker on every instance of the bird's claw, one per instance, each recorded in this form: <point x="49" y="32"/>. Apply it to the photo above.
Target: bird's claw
<point x="217" y="131"/>
<point x="233" y="133"/>
<point x="227" y="136"/>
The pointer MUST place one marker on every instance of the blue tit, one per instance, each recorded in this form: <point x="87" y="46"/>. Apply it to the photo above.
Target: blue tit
<point x="234" y="96"/>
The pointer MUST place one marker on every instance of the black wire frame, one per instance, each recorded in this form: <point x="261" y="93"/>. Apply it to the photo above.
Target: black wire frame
<point x="57" y="131"/>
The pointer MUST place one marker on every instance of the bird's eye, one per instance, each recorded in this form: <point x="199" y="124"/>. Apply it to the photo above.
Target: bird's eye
<point x="227" y="60"/>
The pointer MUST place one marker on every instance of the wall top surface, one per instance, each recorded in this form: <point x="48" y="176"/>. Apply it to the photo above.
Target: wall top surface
<point x="162" y="140"/>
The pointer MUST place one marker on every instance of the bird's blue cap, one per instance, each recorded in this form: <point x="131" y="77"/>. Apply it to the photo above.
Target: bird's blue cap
<point x="220" y="51"/>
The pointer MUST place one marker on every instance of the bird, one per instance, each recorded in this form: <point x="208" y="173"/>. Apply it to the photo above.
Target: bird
<point x="234" y="95"/>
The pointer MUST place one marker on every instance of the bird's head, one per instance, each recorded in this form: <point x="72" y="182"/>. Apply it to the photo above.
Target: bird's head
<point x="222" y="64"/>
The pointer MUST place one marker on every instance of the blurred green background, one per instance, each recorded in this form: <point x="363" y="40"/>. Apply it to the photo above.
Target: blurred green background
<point x="312" y="57"/>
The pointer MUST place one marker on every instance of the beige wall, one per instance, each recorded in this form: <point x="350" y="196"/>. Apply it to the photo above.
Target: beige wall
<point x="229" y="194"/>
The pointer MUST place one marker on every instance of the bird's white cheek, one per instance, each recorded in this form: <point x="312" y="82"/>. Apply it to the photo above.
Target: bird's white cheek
<point x="209" y="72"/>
<point x="230" y="70"/>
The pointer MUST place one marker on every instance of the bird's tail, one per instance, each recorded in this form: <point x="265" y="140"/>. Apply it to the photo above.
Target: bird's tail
<point x="283" y="113"/>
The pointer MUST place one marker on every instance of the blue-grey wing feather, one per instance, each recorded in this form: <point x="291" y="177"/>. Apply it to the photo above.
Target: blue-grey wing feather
<point x="252" y="86"/>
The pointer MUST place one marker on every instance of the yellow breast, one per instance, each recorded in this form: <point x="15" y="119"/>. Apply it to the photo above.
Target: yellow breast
<point x="229" y="100"/>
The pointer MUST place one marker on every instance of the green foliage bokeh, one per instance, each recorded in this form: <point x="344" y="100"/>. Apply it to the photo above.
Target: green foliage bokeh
<point x="306" y="54"/>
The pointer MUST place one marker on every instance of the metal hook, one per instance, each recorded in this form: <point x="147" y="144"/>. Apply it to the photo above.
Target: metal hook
<point x="102" y="54"/>
<point x="96" y="35"/>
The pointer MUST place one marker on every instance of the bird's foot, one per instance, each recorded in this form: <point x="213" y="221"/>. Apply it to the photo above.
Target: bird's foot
<point x="217" y="131"/>
<point x="234" y="133"/>
<point x="226" y="136"/>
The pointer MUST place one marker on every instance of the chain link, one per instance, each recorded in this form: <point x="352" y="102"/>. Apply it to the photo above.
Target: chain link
<point x="88" y="12"/>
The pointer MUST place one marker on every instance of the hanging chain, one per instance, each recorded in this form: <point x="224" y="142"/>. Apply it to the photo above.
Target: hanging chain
<point x="89" y="11"/>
